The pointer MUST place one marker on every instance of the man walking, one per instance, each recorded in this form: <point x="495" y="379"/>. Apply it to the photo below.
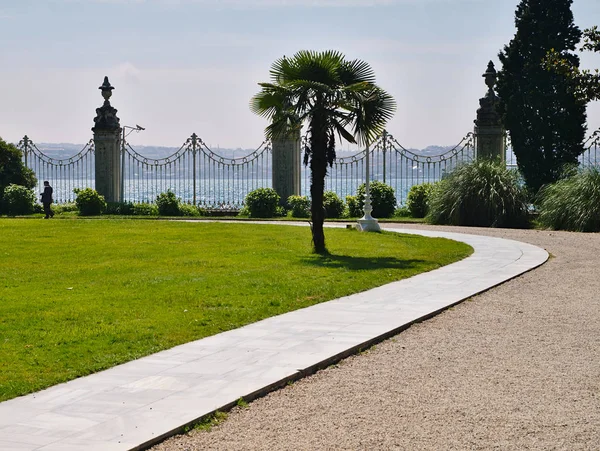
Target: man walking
<point x="47" y="200"/>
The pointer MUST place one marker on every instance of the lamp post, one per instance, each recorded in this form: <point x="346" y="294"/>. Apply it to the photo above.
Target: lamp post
<point x="137" y="128"/>
<point x="368" y="223"/>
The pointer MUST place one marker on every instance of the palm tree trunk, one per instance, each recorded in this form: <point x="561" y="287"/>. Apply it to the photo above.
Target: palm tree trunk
<point x="318" y="169"/>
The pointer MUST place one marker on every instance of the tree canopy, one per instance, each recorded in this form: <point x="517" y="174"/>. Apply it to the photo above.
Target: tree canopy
<point x="588" y="82"/>
<point x="541" y="109"/>
<point x="335" y="97"/>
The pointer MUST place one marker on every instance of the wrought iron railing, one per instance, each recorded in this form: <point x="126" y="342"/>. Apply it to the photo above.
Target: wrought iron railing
<point x="591" y="155"/>
<point x="394" y="165"/>
<point x="196" y="174"/>
<point x="65" y="174"/>
<point x="200" y="176"/>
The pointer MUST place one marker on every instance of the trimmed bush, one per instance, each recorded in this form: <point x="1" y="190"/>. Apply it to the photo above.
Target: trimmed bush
<point x="262" y="203"/>
<point x="145" y="209"/>
<point x="168" y="204"/>
<point x="89" y="202"/>
<point x="244" y="212"/>
<point x="299" y="206"/>
<point x="62" y="208"/>
<point x="188" y="210"/>
<point x="353" y="209"/>
<point x="482" y="193"/>
<point x="401" y="212"/>
<point x="119" y="208"/>
<point x="383" y="199"/>
<point x="333" y="205"/>
<point x="572" y="203"/>
<point x="18" y="200"/>
<point x="417" y="201"/>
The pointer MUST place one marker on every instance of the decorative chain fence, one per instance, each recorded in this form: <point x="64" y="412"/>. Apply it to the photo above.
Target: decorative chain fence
<point x="200" y="176"/>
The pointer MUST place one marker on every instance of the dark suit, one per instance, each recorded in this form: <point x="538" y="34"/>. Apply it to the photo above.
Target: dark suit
<point x="47" y="200"/>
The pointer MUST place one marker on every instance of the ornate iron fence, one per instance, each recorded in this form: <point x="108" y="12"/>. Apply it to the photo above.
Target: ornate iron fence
<point x="196" y="174"/>
<point x="591" y="155"/>
<point x="65" y="174"/>
<point x="200" y="176"/>
<point x="394" y="165"/>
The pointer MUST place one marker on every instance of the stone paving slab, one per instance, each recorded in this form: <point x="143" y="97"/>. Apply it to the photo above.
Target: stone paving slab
<point x="133" y="405"/>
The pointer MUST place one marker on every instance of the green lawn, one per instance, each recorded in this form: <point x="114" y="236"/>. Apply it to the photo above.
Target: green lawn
<point x="78" y="296"/>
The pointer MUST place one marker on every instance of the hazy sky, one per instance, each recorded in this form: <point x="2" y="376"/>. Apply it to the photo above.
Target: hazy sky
<point x="184" y="66"/>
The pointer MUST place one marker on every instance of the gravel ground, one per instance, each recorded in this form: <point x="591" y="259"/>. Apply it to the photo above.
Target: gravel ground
<point x="517" y="367"/>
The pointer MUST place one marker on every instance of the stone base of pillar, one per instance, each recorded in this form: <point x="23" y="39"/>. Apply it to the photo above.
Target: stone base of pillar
<point x="287" y="166"/>
<point x="490" y="143"/>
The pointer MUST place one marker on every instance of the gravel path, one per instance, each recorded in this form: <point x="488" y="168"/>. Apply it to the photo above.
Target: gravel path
<point x="515" y="368"/>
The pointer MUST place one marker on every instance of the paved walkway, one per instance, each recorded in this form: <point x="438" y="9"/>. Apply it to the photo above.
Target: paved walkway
<point x="136" y="404"/>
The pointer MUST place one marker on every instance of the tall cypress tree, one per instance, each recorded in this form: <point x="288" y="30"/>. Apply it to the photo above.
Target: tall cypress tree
<point x="540" y="109"/>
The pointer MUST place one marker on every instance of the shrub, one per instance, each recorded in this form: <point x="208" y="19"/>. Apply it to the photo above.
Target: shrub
<point x="280" y="211"/>
<point x="244" y="212"/>
<point x="188" y="210"/>
<point x="353" y="209"/>
<point x="262" y="203"/>
<point x="482" y="193"/>
<point x="417" y="201"/>
<point x="89" y="202"/>
<point x="572" y="203"/>
<point x="401" y="212"/>
<point x="383" y="199"/>
<point x="62" y="208"/>
<point x="145" y="209"/>
<point x="333" y="205"/>
<point x="299" y="206"/>
<point x="168" y="204"/>
<point x="119" y="208"/>
<point x="18" y="200"/>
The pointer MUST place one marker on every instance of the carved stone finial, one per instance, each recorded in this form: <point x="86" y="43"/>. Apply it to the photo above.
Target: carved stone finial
<point x="106" y="89"/>
<point x="486" y="114"/>
<point x="490" y="76"/>
<point x="106" y="116"/>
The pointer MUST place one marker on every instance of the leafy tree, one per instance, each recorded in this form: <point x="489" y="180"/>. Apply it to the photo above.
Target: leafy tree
<point x="12" y="169"/>
<point x="588" y="82"/>
<point x="330" y="94"/>
<point x="540" y="108"/>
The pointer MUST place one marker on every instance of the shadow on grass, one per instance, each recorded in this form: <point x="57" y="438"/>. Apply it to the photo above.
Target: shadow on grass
<point x="361" y="263"/>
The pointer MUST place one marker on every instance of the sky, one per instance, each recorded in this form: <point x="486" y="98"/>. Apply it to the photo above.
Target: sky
<point x="191" y="66"/>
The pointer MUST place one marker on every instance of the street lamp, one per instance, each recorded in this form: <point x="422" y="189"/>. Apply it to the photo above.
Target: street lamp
<point x="137" y="128"/>
<point x="368" y="223"/>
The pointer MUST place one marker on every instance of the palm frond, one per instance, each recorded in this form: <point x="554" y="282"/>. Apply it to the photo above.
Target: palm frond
<point x="356" y="71"/>
<point x="375" y="109"/>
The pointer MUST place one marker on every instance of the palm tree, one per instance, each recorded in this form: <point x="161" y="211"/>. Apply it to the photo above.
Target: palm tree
<point x="331" y="95"/>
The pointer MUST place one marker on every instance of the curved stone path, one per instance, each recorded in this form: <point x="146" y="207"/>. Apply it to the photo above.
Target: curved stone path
<point x="135" y="404"/>
<point x="514" y="368"/>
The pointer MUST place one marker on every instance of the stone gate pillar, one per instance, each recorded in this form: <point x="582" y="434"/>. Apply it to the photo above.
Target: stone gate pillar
<point x="107" y="142"/>
<point x="286" y="166"/>
<point x="490" y="136"/>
